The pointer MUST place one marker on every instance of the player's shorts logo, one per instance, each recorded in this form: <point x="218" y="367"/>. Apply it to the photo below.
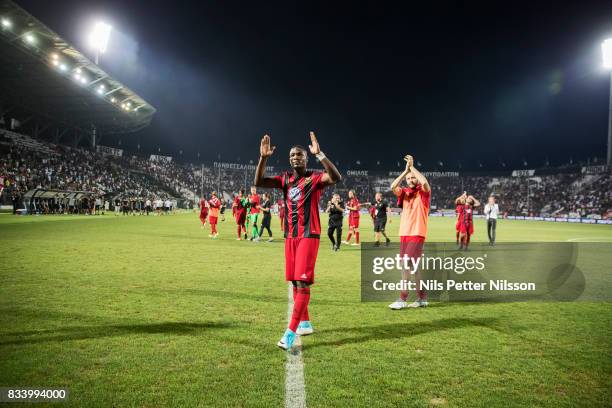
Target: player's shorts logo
<point x="295" y="193"/>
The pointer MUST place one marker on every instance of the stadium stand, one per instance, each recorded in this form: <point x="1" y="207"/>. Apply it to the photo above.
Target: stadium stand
<point x="28" y="163"/>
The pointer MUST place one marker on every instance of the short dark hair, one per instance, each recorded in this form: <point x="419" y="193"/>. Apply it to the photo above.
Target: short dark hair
<point x="300" y="147"/>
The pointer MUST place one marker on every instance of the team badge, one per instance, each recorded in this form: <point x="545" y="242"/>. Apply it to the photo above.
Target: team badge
<point x="295" y="194"/>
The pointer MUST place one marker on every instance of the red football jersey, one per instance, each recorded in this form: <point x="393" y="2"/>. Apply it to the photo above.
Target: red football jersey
<point x="459" y="212"/>
<point x="214" y="202"/>
<point x="302" y="195"/>
<point x="354" y="202"/>
<point x="203" y="206"/>
<point x="254" y="200"/>
<point x="281" y="208"/>
<point x="467" y="214"/>
<point x="238" y="208"/>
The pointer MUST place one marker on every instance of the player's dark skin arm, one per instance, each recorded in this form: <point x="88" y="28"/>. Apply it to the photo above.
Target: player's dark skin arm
<point x="298" y="160"/>
<point x="265" y="151"/>
<point x="332" y="175"/>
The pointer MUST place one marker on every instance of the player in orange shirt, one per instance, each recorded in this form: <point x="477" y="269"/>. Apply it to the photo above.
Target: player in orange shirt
<point x="414" y="201"/>
<point x="213" y="204"/>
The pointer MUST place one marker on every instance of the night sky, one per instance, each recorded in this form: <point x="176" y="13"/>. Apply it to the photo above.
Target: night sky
<point x="458" y="84"/>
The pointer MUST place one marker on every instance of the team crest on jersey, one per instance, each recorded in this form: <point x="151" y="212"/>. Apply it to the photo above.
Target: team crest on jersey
<point x="295" y="194"/>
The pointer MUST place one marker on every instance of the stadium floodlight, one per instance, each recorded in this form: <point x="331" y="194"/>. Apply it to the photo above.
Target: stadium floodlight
<point x="113" y="100"/>
<point x="606" y="50"/>
<point x="6" y="23"/>
<point x="63" y="67"/>
<point x="83" y="80"/>
<point x="99" y="38"/>
<point x="101" y="89"/>
<point x="29" y="38"/>
<point x="55" y="62"/>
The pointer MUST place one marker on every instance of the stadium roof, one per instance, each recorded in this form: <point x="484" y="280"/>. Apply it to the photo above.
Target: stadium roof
<point x="42" y="72"/>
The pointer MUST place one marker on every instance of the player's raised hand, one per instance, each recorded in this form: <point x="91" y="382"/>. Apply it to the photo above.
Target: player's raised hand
<point x="409" y="162"/>
<point x="265" y="150"/>
<point x="314" y="144"/>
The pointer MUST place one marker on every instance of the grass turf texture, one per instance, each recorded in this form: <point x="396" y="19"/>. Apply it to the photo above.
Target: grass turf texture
<point x="148" y="311"/>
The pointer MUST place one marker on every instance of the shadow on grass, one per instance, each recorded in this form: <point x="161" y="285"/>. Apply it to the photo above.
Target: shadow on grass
<point x="365" y="334"/>
<point x="113" y="330"/>
<point x="281" y="298"/>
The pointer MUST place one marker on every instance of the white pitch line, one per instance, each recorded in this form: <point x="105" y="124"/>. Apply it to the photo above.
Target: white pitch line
<point x="590" y="239"/>
<point x="295" y="389"/>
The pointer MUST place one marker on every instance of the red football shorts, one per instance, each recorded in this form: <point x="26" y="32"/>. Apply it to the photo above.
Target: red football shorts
<point x="300" y="259"/>
<point x="354" y="222"/>
<point x="411" y="246"/>
<point x="466" y="228"/>
<point x="213" y="220"/>
<point x="240" y="217"/>
<point x="203" y="217"/>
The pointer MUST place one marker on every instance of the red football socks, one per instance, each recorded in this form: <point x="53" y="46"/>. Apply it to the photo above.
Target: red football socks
<point x="305" y="317"/>
<point x="300" y="304"/>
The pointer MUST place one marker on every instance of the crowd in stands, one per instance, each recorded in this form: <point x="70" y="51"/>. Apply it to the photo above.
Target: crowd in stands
<point x="26" y="164"/>
<point x="560" y="195"/>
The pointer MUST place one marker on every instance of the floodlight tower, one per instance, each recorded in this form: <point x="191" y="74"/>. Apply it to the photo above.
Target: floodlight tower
<point x="606" y="48"/>
<point x="99" y="38"/>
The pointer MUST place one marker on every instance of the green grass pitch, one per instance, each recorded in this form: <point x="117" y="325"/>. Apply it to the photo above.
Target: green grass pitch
<point x="148" y="311"/>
